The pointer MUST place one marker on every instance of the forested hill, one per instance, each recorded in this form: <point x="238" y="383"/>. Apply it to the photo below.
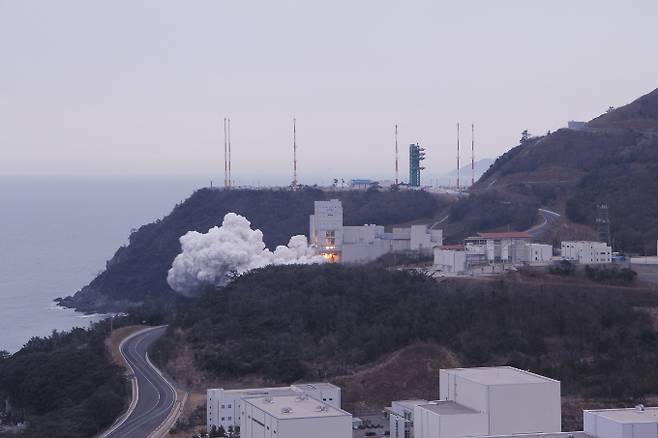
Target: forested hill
<point x="137" y="273"/>
<point x="613" y="160"/>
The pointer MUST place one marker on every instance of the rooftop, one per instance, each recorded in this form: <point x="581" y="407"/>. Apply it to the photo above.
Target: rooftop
<point x="314" y="386"/>
<point x="577" y="434"/>
<point x="628" y="415"/>
<point x="504" y="375"/>
<point x="410" y="404"/>
<point x="285" y="407"/>
<point x="505" y="235"/>
<point x="445" y="407"/>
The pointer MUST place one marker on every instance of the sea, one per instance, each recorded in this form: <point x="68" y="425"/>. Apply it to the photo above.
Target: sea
<point x="56" y="234"/>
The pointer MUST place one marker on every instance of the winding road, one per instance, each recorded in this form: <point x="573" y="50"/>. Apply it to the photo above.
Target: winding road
<point x="548" y="219"/>
<point x="154" y="397"/>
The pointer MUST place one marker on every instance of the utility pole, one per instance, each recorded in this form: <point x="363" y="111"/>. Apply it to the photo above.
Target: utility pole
<point x="230" y="181"/>
<point x="225" y="157"/>
<point x="472" y="154"/>
<point x="458" y="157"/>
<point x="397" y="181"/>
<point x="294" y="153"/>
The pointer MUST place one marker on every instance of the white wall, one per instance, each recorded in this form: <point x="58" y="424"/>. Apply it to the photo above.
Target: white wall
<point x="256" y="423"/>
<point x="450" y="260"/>
<point x="326" y="427"/>
<point x="525" y="408"/>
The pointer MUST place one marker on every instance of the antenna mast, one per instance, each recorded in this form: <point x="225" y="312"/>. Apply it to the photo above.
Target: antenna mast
<point x="225" y="156"/>
<point x="230" y="181"/>
<point x="397" y="181"/>
<point x="472" y="154"/>
<point x="457" y="156"/>
<point x="294" y="153"/>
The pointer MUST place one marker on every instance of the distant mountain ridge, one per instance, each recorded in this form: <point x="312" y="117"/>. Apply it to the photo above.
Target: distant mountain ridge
<point x="613" y="161"/>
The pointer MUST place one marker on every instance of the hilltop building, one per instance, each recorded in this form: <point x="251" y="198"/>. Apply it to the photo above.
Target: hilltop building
<point x="586" y="252"/>
<point x="364" y="243"/>
<point x="293" y="416"/>
<point x="224" y="406"/>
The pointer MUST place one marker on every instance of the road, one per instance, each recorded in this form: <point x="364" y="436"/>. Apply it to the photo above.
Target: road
<point x="154" y="397"/>
<point x="548" y="219"/>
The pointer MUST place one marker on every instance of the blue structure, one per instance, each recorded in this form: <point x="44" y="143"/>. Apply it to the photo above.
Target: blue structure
<point x="416" y="155"/>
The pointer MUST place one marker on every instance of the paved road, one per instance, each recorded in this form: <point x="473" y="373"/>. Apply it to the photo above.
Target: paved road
<point x="548" y="219"/>
<point x="155" y="395"/>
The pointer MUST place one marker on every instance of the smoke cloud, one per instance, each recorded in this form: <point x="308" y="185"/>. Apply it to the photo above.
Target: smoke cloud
<point x="208" y="259"/>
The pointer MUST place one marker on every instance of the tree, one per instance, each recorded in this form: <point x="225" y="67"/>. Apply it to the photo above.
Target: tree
<point x="525" y="136"/>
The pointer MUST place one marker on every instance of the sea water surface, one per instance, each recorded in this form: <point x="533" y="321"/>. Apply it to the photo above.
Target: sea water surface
<point x="57" y="233"/>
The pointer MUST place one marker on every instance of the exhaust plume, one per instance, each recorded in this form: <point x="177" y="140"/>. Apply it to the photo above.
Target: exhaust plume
<point x="209" y="258"/>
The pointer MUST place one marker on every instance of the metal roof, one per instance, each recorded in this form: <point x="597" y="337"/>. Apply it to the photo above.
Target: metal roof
<point x="504" y="375"/>
<point x="505" y="235"/>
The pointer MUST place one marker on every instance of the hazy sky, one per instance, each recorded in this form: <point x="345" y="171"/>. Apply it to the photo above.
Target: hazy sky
<point x="141" y="87"/>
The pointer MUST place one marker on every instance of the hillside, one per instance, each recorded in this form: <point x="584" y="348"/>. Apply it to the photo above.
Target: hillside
<point x="137" y="272"/>
<point x="287" y="323"/>
<point x="613" y="160"/>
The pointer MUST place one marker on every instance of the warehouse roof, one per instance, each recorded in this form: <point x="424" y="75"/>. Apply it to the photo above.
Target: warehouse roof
<point x="285" y="407"/>
<point x="504" y="375"/>
<point x="315" y="386"/>
<point x="628" y="415"/>
<point x="445" y="407"/>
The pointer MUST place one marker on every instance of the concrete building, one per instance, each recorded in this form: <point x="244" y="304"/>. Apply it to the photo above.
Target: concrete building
<point x="489" y="401"/>
<point x="292" y="416"/>
<point x="487" y="248"/>
<point x="491" y="252"/>
<point x="638" y="422"/>
<point x="326" y="227"/>
<point x="538" y="254"/>
<point x="401" y="417"/>
<point x="223" y="406"/>
<point x="450" y="259"/>
<point x="364" y="243"/>
<point x="575" y="124"/>
<point x="586" y="252"/>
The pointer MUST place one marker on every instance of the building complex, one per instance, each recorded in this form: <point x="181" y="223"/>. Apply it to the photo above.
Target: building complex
<point x="364" y="243"/>
<point x="224" y="406"/>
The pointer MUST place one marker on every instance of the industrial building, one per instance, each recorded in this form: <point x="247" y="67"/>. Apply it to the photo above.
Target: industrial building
<point x="292" y="416"/>
<point x="489" y="401"/>
<point x="401" y="417"/>
<point x="487" y="251"/>
<point x="586" y="252"/>
<point x="364" y="243"/>
<point x="637" y="422"/>
<point x="223" y="407"/>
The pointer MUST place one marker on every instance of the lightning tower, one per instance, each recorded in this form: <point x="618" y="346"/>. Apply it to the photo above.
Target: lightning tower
<point x="457" y="156"/>
<point x="294" y="153"/>
<point x="397" y="180"/>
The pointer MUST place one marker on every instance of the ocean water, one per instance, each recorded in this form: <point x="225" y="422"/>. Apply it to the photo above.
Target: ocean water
<point x="57" y="233"/>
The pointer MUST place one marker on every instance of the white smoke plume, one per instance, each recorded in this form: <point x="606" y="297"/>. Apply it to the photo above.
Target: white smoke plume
<point x="208" y="259"/>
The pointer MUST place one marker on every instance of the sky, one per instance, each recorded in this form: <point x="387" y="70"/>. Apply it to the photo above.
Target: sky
<point x="135" y="87"/>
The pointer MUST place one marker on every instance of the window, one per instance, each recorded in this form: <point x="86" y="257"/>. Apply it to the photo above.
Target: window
<point x="229" y="406"/>
<point x="223" y="419"/>
<point x="223" y="407"/>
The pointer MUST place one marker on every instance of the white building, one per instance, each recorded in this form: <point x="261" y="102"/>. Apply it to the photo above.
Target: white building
<point x="364" y="243"/>
<point x="490" y="401"/>
<point x="401" y="417"/>
<point x="638" y="422"/>
<point x="504" y="248"/>
<point x="450" y="259"/>
<point x="488" y="250"/>
<point x="223" y="406"/>
<point x="326" y="227"/>
<point x="293" y="416"/>
<point x="538" y="254"/>
<point x="586" y="252"/>
<point x="575" y="124"/>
